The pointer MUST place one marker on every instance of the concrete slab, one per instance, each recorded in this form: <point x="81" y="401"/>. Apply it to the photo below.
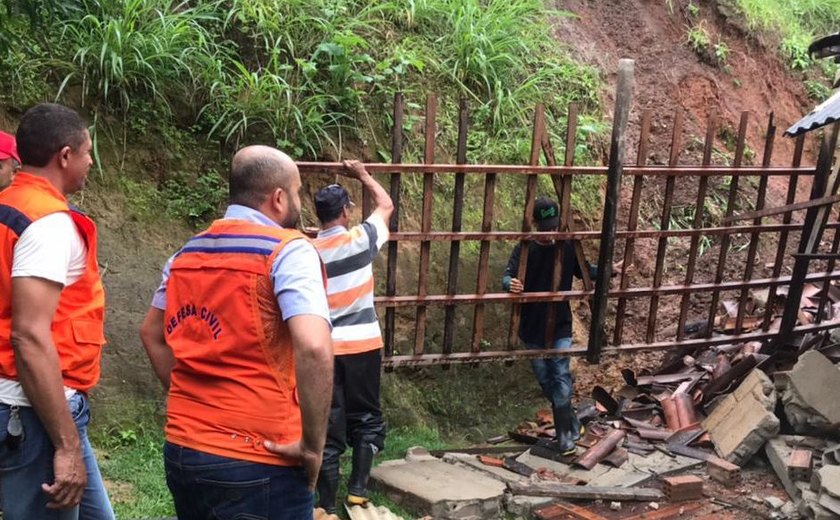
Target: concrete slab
<point x="744" y="420"/>
<point x="830" y="481"/>
<point x="444" y="491"/>
<point x="809" y="394"/>
<point x="472" y="462"/>
<point x="523" y="507"/>
<point x="637" y="470"/>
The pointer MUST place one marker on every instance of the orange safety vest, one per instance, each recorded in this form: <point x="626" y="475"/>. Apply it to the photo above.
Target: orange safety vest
<point x="233" y="382"/>
<point x="78" y="326"/>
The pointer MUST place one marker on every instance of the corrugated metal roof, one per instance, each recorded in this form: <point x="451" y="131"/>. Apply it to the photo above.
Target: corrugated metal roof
<point x="826" y="113"/>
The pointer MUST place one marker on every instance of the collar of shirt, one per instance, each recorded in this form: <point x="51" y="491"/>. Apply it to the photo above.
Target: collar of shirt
<point x="335" y="230"/>
<point x="238" y="212"/>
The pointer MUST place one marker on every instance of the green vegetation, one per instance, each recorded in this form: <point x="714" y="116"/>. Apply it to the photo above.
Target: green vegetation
<point x="797" y="22"/>
<point x="817" y="90"/>
<point x="698" y="38"/>
<point x="306" y="74"/>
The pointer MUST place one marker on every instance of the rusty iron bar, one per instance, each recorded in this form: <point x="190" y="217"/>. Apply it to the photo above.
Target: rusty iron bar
<point x="563" y="191"/>
<point x="781" y="247"/>
<point x="665" y="223"/>
<point x="413" y="236"/>
<point x="530" y="195"/>
<point x="699" y="211"/>
<point x="393" y="226"/>
<point x="457" y="215"/>
<point x="812" y="230"/>
<point x="632" y="223"/>
<point x="426" y="223"/>
<point x="516" y="355"/>
<point x="832" y="261"/>
<point x="483" y="260"/>
<point x="624" y="98"/>
<point x="798" y="206"/>
<point x="730" y="209"/>
<point x="761" y="198"/>
<point x="632" y="292"/>
<point x="484" y="169"/>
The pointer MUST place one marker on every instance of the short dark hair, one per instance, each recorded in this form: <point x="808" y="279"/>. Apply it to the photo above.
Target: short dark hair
<point x="45" y="129"/>
<point x="253" y="179"/>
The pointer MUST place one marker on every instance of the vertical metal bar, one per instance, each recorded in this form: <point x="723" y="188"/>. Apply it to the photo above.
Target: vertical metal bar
<point x="562" y="190"/>
<point x="808" y="243"/>
<point x="730" y="209"/>
<point x="457" y="213"/>
<point x="426" y="224"/>
<point x="755" y="236"/>
<point x="623" y="99"/>
<point x="391" y="281"/>
<point x="665" y="223"/>
<point x="769" y="312"/>
<point x="632" y="223"/>
<point x="530" y="195"/>
<point x="835" y="246"/>
<point x="483" y="259"/>
<point x="699" y="210"/>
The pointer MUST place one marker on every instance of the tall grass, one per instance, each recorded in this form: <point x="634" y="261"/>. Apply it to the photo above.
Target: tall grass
<point x="797" y="22"/>
<point x="306" y="74"/>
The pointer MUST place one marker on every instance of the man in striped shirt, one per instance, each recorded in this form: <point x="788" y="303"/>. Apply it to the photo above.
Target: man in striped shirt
<point x="348" y="253"/>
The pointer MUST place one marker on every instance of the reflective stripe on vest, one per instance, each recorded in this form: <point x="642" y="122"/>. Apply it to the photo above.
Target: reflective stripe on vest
<point x="233" y="383"/>
<point x="78" y="325"/>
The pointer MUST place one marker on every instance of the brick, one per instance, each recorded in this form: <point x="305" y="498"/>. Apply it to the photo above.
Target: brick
<point x="562" y="510"/>
<point x="800" y="464"/>
<point x="687" y="487"/>
<point x="723" y="471"/>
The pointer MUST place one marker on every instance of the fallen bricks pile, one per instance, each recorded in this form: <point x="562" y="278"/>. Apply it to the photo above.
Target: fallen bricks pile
<point x="719" y="405"/>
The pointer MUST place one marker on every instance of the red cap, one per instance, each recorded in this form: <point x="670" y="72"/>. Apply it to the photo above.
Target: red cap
<point x="8" y="147"/>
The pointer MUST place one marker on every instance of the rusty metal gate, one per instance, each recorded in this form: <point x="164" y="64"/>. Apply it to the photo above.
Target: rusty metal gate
<point x="742" y="187"/>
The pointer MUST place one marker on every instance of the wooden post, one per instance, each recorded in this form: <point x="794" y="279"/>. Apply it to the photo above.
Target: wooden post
<point x="391" y="281"/>
<point x="426" y="225"/>
<point x="624" y="97"/>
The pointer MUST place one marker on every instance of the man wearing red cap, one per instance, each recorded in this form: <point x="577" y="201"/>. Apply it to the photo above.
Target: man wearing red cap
<point x="9" y="159"/>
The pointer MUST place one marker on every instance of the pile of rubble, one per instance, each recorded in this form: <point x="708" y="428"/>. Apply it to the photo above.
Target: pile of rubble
<point x="666" y="443"/>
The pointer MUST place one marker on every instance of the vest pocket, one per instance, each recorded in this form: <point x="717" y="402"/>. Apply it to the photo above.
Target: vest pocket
<point x="88" y="332"/>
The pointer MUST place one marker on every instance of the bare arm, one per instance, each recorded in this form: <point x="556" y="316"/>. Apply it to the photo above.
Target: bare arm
<point x="383" y="205"/>
<point x="154" y="341"/>
<point x="314" y="371"/>
<point x="34" y="302"/>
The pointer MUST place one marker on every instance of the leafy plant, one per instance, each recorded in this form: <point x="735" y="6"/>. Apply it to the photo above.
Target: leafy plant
<point x="817" y="90"/>
<point x="693" y="10"/>
<point x="721" y="51"/>
<point x="699" y="39"/>
<point x="795" y="48"/>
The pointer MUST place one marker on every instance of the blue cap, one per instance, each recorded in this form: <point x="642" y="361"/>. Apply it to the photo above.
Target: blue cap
<point x="329" y="202"/>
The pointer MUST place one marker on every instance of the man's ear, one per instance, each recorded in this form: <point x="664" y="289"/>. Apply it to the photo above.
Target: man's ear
<point x="278" y="200"/>
<point x="64" y="156"/>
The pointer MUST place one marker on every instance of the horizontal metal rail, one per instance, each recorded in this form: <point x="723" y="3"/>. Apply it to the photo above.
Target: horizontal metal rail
<point x="397" y="361"/>
<point x="633" y="292"/>
<point x="484" y="169"/>
<point x="445" y="236"/>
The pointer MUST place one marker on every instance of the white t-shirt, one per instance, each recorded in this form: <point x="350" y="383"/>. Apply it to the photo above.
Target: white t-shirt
<point x="50" y="248"/>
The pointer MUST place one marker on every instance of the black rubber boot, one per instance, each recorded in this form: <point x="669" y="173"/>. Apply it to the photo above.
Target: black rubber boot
<point x="363" y="453"/>
<point x="566" y="429"/>
<point x="328" y="487"/>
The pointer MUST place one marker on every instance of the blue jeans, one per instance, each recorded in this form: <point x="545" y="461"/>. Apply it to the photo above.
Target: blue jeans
<point x="553" y="374"/>
<point x="206" y="486"/>
<point x="24" y="468"/>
